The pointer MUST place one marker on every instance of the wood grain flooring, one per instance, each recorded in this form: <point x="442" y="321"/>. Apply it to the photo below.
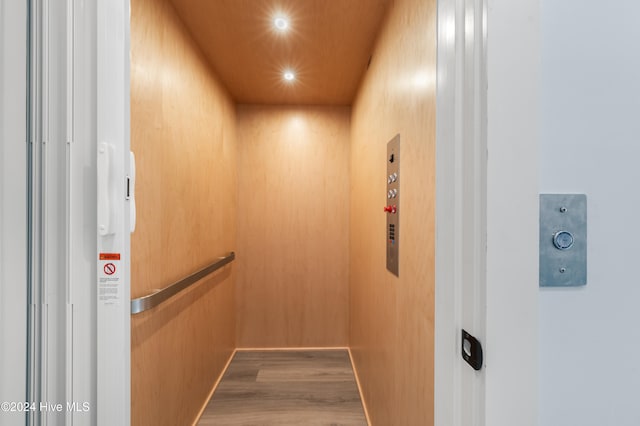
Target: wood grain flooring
<point x="310" y="387"/>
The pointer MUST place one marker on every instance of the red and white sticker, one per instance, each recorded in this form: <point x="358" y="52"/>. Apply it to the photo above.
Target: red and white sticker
<point x="109" y="278"/>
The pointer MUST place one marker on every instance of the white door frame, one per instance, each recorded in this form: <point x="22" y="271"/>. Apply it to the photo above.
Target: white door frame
<point x="13" y="208"/>
<point x="461" y="196"/>
<point x="513" y="67"/>
<point x="113" y="228"/>
<point x="487" y="137"/>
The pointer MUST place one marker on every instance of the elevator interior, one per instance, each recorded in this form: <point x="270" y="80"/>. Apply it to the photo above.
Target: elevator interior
<point x="261" y="127"/>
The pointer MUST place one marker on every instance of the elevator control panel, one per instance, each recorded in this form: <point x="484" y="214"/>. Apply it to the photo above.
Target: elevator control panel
<point x="392" y="204"/>
<point x="563" y="240"/>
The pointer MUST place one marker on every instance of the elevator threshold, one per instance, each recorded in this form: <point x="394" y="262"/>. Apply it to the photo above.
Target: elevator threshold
<point x="286" y="387"/>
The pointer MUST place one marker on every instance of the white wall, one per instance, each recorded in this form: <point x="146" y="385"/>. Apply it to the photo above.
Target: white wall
<point x="590" y="120"/>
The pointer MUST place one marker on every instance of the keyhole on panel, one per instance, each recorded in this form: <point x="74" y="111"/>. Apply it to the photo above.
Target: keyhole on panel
<point x="391" y="159"/>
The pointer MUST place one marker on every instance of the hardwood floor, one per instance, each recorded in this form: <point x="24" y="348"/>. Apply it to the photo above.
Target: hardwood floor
<point x="314" y="387"/>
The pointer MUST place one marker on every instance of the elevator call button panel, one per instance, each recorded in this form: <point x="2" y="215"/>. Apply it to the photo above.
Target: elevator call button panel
<point x="563" y="240"/>
<point x="392" y="204"/>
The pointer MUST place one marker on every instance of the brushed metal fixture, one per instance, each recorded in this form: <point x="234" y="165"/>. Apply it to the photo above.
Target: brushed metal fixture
<point x="152" y="300"/>
<point x="563" y="240"/>
<point x="393" y="211"/>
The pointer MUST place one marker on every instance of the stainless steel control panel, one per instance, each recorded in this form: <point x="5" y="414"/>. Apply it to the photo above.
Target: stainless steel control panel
<point x="392" y="206"/>
<point x="563" y="240"/>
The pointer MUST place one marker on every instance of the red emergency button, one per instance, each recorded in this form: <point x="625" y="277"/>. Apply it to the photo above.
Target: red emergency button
<point x="391" y="209"/>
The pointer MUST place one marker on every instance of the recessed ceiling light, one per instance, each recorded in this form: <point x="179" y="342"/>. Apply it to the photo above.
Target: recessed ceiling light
<point x="281" y="23"/>
<point x="289" y="75"/>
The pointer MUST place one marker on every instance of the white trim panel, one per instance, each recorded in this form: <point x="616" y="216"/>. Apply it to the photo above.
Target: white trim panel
<point x="512" y="213"/>
<point x="113" y="276"/>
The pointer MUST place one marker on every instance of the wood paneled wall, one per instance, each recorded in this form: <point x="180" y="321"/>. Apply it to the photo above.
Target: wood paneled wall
<point x="293" y="217"/>
<point x="392" y="319"/>
<point x="183" y="136"/>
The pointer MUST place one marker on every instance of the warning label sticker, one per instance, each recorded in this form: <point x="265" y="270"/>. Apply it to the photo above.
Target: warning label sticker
<point x="109" y="279"/>
<point x="109" y="256"/>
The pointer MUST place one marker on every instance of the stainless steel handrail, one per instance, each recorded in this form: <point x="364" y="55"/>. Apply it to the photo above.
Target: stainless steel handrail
<point x="152" y="300"/>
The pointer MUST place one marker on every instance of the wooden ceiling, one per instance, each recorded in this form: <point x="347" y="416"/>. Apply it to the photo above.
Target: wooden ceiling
<point x="328" y="46"/>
